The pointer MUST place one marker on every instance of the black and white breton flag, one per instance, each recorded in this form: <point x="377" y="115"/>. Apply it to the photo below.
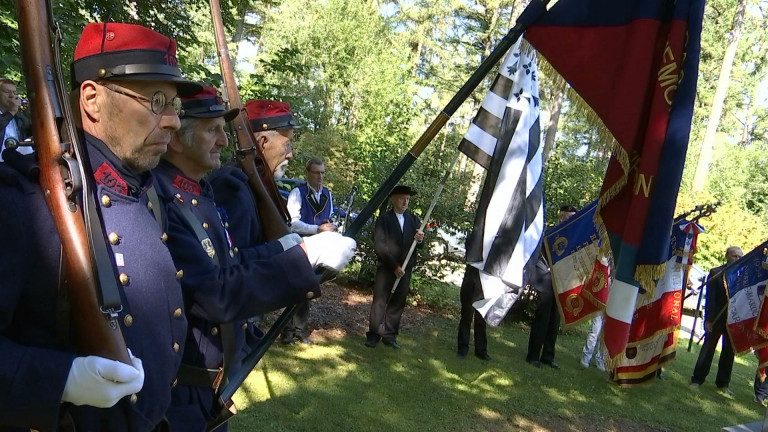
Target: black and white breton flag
<point x="505" y="139"/>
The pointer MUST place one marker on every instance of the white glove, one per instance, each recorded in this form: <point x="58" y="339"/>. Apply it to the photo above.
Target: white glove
<point x="329" y="249"/>
<point x="101" y="382"/>
<point x="290" y="240"/>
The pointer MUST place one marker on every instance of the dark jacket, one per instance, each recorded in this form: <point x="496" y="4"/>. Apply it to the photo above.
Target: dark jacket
<point x="390" y="243"/>
<point x="717" y="298"/>
<point x="22" y="123"/>
<point x="230" y="187"/>
<point x="542" y="276"/>
<point x="221" y="284"/>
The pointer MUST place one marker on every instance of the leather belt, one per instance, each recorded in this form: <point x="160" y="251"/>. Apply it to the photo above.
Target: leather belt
<point x="199" y="377"/>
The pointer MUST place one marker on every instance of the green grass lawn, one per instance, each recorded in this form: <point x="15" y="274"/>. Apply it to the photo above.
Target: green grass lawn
<point x="340" y="385"/>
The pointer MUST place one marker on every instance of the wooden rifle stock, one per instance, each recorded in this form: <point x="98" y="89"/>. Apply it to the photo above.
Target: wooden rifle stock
<point x="92" y="332"/>
<point x="270" y="204"/>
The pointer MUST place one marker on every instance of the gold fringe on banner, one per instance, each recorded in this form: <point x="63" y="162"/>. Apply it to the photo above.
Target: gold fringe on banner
<point x="758" y="330"/>
<point x="651" y="369"/>
<point x="614" y="363"/>
<point x="647" y="275"/>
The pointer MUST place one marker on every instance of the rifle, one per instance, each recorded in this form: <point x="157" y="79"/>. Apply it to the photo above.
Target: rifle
<point x="271" y="207"/>
<point x="68" y="192"/>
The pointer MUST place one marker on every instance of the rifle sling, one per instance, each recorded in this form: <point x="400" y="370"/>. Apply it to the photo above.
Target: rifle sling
<point x="226" y="330"/>
<point x="155" y="203"/>
<point x="103" y="260"/>
<point x="62" y="307"/>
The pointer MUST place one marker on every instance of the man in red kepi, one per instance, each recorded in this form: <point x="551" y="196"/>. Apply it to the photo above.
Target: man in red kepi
<point x="223" y="285"/>
<point x="126" y="88"/>
<point x="273" y="127"/>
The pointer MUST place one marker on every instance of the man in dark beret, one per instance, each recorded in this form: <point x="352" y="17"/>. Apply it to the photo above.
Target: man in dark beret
<point x="393" y="235"/>
<point x="223" y="284"/>
<point x="126" y="88"/>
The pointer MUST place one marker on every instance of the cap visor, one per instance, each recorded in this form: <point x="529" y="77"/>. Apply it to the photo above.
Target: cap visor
<point x="228" y="115"/>
<point x="183" y="87"/>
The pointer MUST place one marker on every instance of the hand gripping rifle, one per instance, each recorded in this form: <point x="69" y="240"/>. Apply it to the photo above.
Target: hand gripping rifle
<point x="90" y="278"/>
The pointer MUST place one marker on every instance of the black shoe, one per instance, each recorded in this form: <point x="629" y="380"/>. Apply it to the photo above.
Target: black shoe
<point x="552" y="364"/>
<point x="287" y="339"/>
<point x="461" y="354"/>
<point x="534" y="363"/>
<point x="371" y="342"/>
<point x="484" y="356"/>
<point x="392" y="343"/>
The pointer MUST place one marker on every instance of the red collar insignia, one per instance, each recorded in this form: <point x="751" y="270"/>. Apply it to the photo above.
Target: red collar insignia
<point x="186" y="184"/>
<point x="107" y="176"/>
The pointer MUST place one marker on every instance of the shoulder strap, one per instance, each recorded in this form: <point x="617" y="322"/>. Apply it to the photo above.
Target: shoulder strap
<point x="202" y="236"/>
<point x="226" y="330"/>
<point x="154" y="200"/>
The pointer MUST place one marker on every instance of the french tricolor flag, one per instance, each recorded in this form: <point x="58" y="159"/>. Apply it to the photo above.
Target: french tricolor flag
<point x="745" y="282"/>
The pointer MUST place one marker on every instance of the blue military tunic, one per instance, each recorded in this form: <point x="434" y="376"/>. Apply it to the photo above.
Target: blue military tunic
<point x="230" y="186"/>
<point x="33" y="371"/>
<point x="222" y="284"/>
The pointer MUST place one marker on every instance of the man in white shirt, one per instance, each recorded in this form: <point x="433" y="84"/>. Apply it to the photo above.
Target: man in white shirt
<point x="310" y="206"/>
<point x="13" y="124"/>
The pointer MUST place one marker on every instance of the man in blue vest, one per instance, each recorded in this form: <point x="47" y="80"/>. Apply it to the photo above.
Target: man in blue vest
<point x="310" y="206"/>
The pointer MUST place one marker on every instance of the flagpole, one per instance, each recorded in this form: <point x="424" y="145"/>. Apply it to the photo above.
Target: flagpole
<point x="531" y="13"/>
<point x="696" y="315"/>
<point x="426" y="217"/>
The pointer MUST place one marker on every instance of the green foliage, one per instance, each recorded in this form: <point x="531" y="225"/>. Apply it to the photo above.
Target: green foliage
<point x="574" y="172"/>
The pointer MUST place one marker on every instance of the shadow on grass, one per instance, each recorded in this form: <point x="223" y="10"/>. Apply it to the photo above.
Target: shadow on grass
<point x="341" y="385"/>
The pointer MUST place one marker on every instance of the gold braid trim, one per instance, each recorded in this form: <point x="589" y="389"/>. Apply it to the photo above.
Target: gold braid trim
<point x="652" y="368"/>
<point x="757" y="329"/>
<point x="647" y="275"/>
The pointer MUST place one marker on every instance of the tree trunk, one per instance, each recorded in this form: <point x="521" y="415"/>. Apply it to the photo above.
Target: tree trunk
<point x="554" y="120"/>
<point x="705" y="158"/>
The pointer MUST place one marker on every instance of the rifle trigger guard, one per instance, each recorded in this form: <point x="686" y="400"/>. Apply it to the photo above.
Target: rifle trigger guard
<point x="112" y="315"/>
<point x="245" y="152"/>
<point x="70" y="173"/>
